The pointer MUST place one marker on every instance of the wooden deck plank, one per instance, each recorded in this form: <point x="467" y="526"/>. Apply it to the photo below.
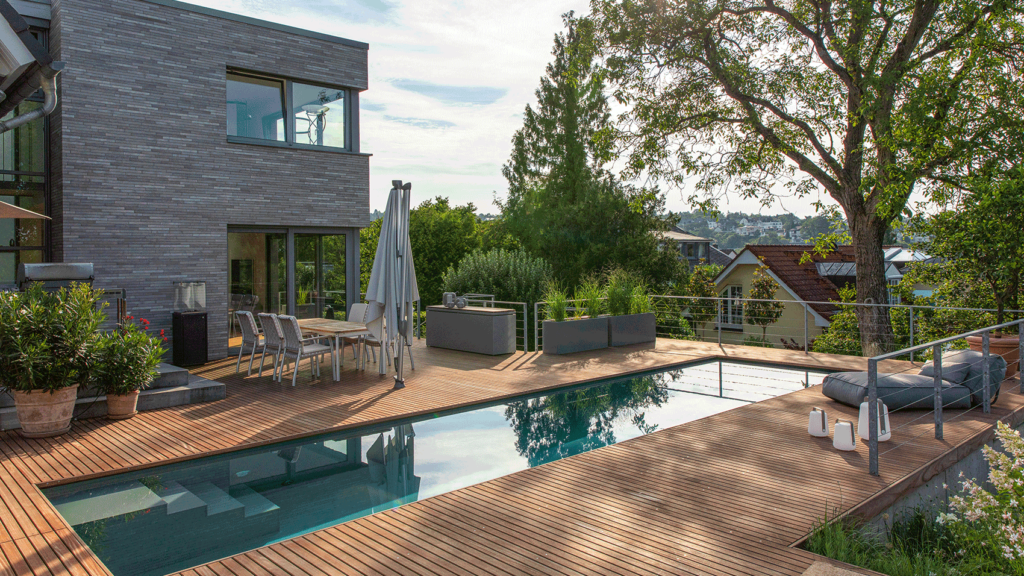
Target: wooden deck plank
<point x="713" y="496"/>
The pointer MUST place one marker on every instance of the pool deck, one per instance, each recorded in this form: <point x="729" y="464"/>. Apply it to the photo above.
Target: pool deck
<point x="728" y="494"/>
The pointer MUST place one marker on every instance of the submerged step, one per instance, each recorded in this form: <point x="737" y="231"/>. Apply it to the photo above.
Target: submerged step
<point x="217" y="500"/>
<point x="178" y="498"/>
<point x="254" y="502"/>
<point x="107" y="502"/>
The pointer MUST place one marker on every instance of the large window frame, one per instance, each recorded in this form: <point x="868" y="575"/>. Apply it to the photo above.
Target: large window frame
<point x="732" y="307"/>
<point x="41" y="34"/>
<point x="350" y="113"/>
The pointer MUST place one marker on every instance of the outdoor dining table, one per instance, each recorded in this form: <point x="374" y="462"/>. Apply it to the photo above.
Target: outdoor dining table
<point x="335" y="330"/>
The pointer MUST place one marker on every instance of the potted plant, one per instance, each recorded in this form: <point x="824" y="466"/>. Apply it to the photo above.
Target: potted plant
<point x="47" y="346"/>
<point x="630" y="320"/>
<point x="126" y="362"/>
<point x="565" y="336"/>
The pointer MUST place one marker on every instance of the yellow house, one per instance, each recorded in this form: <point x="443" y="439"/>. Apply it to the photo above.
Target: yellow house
<point x="807" y="291"/>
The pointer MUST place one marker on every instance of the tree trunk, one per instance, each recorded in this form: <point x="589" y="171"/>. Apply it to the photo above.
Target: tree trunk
<point x="876" y="335"/>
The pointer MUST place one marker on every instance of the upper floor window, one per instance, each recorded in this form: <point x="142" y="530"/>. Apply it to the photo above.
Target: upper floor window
<point x="316" y="115"/>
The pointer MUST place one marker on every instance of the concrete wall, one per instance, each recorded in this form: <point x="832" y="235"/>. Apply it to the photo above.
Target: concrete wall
<point x="145" y="183"/>
<point x="789" y="326"/>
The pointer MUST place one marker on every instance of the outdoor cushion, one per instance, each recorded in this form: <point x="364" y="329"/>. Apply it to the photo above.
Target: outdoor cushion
<point x="975" y="378"/>
<point x="953" y="372"/>
<point x="895" y="390"/>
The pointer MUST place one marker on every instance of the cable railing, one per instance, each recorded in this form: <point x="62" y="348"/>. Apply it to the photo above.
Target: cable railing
<point x="937" y="349"/>
<point x="796" y="326"/>
<point x="486" y="301"/>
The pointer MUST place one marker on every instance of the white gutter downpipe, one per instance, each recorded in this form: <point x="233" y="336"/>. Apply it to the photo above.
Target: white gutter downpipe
<point x="49" y="86"/>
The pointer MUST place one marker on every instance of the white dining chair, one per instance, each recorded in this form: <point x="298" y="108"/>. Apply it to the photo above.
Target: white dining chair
<point x="298" y="348"/>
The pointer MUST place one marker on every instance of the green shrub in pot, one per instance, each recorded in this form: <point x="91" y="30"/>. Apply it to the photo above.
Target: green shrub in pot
<point x="47" y="349"/>
<point x="620" y="291"/>
<point x="588" y="298"/>
<point x="557" y="302"/>
<point x="127" y="359"/>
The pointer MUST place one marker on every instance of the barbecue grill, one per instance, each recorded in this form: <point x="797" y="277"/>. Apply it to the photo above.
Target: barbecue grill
<point x="54" y="276"/>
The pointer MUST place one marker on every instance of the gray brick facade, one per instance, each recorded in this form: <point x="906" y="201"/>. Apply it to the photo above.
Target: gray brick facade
<point x="144" y="183"/>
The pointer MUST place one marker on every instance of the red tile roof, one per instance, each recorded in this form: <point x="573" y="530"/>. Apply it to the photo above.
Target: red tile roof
<point x="803" y="279"/>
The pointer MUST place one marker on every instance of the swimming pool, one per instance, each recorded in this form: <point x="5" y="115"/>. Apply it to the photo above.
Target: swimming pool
<point x="170" y="518"/>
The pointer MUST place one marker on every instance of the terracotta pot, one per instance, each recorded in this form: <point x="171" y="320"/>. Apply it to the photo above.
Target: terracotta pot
<point x="1008" y="347"/>
<point x="42" y="414"/>
<point x="122" y="407"/>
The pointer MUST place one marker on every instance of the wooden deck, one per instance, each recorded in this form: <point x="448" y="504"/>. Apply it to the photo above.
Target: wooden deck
<point x="727" y="494"/>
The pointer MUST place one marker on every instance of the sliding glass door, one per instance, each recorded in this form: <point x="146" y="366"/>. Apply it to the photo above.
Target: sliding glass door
<point x="290" y="271"/>
<point x="320" y="276"/>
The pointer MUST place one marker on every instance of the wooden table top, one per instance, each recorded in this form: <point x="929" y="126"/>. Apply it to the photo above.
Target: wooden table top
<point x="331" y="327"/>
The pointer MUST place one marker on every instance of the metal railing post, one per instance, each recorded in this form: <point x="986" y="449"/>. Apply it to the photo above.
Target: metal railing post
<point x="536" y="328"/>
<point x="937" y="363"/>
<point x="806" y="334"/>
<point x="911" y="332"/>
<point x="986" y="376"/>
<point x="719" y="307"/>
<point x="873" y="417"/>
<point x="721" y="387"/>
<point x="1020" y="356"/>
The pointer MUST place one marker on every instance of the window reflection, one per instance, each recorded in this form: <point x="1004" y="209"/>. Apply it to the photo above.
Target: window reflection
<point x="319" y="115"/>
<point x="255" y="107"/>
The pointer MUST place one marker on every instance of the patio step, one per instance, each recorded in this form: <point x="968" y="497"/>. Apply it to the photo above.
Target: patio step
<point x="217" y="501"/>
<point x="169" y="377"/>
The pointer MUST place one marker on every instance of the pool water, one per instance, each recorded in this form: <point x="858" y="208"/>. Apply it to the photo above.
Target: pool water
<point x="173" y="517"/>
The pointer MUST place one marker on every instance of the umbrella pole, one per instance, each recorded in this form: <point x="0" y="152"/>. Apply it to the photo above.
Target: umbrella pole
<point x="403" y="233"/>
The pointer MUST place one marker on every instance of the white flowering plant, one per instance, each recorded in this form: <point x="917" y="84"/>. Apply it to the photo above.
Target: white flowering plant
<point x="990" y="526"/>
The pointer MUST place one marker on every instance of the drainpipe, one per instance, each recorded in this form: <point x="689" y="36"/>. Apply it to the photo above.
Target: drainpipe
<point x="49" y="85"/>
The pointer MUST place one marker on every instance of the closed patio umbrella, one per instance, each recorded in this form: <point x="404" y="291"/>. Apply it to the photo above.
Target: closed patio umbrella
<point x="392" y="288"/>
<point x="11" y="211"/>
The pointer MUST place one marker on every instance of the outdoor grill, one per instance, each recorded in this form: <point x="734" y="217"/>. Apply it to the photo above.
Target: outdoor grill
<point x="54" y="276"/>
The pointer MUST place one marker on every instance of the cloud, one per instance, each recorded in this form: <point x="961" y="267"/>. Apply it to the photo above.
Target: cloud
<point x="470" y="170"/>
<point x="452" y="94"/>
<point x="360" y="11"/>
<point x="371" y="106"/>
<point x="424" y="123"/>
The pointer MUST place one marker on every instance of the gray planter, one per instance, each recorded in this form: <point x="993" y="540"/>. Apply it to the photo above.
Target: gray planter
<point x="632" y="329"/>
<point x="575" y="335"/>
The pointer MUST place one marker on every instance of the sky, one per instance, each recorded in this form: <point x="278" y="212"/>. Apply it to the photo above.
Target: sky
<point x="448" y="83"/>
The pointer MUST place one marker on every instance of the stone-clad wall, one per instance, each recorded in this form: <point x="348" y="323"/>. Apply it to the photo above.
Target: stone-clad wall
<point x="145" y="183"/>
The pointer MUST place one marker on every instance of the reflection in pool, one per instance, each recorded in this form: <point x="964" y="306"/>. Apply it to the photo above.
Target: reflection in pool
<point x="173" y="517"/>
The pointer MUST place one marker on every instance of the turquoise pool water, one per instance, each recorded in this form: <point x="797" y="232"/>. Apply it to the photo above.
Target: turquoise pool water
<point x="169" y="518"/>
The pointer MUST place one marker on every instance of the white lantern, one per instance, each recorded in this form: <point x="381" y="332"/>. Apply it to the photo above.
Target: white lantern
<point x="844" y="438"/>
<point x="817" y="423"/>
<point x="884" y="431"/>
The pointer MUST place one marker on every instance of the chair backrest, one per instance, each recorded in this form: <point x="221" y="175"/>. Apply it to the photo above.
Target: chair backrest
<point x="292" y="333"/>
<point x="357" y="313"/>
<point x="376" y="327"/>
<point x="271" y="330"/>
<point x="249" y="302"/>
<point x="234" y="301"/>
<point x="248" y="324"/>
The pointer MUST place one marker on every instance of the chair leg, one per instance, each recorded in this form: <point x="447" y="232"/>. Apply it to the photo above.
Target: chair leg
<point x="295" y="372"/>
<point x="263" y="356"/>
<point x="238" y="365"/>
<point x="252" y="356"/>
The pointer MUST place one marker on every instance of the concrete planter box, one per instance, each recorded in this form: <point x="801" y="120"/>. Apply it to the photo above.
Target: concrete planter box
<point x="632" y="329"/>
<point x="490" y="331"/>
<point x="575" y="335"/>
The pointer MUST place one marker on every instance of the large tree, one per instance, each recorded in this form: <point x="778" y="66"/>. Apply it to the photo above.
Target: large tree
<point x="866" y="100"/>
<point x="563" y="205"/>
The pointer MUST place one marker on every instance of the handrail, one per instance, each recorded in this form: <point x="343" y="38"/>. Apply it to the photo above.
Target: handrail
<point x="936" y="346"/>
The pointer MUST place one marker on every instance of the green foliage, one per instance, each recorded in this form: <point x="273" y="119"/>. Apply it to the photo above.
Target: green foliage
<point x="640" y="299"/>
<point x="952" y="288"/>
<point x="763" y="314"/>
<point x="48" y="339"/>
<point x="562" y="204"/>
<point x="557" y="302"/>
<point x="843" y="334"/>
<point x="588" y="298"/>
<point x="867" y="102"/>
<point x="915" y="547"/>
<point x="127" y="358"/>
<point x="758" y="341"/>
<point x="981" y="232"/>
<point x="440" y="236"/>
<point x="620" y="285"/>
<point x="702" y="287"/>
<point x="512" y="276"/>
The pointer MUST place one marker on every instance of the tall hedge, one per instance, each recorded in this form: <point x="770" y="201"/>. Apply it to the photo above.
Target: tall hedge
<point x="513" y="276"/>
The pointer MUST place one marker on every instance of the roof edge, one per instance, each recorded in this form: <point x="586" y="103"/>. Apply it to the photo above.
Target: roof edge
<point x="257" y="22"/>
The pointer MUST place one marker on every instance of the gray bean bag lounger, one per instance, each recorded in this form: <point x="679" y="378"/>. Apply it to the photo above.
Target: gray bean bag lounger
<point x="962" y="383"/>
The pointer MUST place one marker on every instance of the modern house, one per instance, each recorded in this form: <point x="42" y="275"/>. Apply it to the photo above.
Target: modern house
<point x="190" y="144"/>
<point x="694" y="249"/>
<point x="815" y="282"/>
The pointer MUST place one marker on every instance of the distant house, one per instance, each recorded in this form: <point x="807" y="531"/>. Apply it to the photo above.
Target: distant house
<point x="816" y="283"/>
<point x="748" y="230"/>
<point x="694" y="249"/>
<point x="774" y="225"/>
<point x="712" y="224"/>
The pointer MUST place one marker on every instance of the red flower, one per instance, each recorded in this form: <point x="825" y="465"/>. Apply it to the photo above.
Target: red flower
<point x="165" y="339"/>
<point x="144" y="322"/>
